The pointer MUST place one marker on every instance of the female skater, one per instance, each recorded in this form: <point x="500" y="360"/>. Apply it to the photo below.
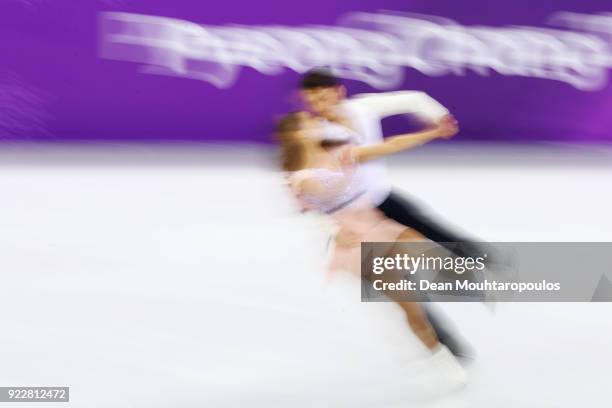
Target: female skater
<point x="327" y="179"/>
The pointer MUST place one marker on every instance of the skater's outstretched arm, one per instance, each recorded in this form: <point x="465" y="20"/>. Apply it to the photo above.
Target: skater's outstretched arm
<point x="387" y="104"/>
<point x="446" y="128"/>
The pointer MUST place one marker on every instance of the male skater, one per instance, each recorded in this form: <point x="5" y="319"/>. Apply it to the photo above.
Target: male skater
<point x="357" y="120"/>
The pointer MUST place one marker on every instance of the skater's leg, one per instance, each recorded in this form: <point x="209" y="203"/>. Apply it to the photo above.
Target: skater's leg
<point x="406" y="213"/>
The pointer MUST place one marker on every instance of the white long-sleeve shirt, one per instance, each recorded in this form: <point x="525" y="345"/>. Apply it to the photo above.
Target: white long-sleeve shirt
<point x="365" y="112"/>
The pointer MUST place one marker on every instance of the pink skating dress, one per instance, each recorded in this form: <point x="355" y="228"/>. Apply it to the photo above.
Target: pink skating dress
<point x="342" y="195"/>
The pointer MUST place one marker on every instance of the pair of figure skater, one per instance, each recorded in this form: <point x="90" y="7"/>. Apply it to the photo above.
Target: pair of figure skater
<point x="332" y="152"/>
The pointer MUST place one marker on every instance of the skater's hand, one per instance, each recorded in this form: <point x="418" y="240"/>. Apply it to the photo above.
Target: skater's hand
<point x="447" y="127"/>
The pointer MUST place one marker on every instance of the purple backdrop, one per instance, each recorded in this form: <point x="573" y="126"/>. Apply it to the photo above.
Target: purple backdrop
<point x="54" y="84"/>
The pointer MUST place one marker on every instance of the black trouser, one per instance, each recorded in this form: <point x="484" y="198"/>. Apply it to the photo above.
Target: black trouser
<point x="404" y="212"/>
<point x="447" y="333"/>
